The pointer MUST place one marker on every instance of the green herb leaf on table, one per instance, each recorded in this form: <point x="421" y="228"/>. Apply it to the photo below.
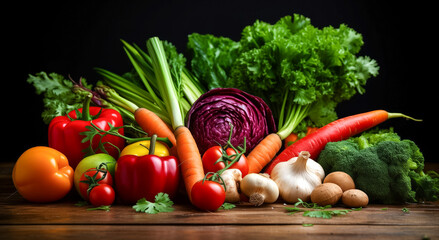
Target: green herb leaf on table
<point x="319" y="212"/>
<point x="325" y="213"/>
<point x="81" y="203"/>
<point x="310" y="205"/>
<point x="227" y="206"/>
<point x="103" y="208"/>
<point x="85" y="203"/>
<point x="162" y="203"/>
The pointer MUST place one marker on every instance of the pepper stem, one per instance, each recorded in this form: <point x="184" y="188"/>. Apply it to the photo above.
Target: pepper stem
<point x="86" y="109"/>
<point x="152" y="144"/>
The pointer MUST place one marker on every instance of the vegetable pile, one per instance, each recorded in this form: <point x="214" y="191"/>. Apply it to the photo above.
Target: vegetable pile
<point x="219" y="125"/>
<point x="388" y="169"/>
<point x="302" y="72"/>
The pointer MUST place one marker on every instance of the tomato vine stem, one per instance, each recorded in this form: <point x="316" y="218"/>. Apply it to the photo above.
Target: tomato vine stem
<point x="228" y="160"/>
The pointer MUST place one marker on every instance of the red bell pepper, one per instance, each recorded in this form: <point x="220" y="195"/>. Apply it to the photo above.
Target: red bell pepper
<point x="138" y="177"/>
<point x="64" y="132"/>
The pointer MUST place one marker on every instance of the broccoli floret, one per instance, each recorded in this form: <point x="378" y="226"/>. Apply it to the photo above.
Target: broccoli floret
<point x="339" y="156"/>
<point x="426" y="186"/>
<point x="374" y="136"/>
<point x="388" y="169"/>
<point x="371" y="176"/>
<point x="416" y="161"/>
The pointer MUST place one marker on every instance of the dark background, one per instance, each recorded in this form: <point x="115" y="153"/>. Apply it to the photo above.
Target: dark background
<point x="73" y="37"/>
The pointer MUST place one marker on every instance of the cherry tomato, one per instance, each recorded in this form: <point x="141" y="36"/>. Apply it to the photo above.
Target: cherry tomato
<point x="83" y="187"/>
<point x="102" y="195"/>
<point x="208" y="195"/>
<point x="214" y="153"/>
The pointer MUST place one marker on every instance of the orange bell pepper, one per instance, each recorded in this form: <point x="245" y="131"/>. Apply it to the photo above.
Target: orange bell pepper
<point x="42" y="174"/>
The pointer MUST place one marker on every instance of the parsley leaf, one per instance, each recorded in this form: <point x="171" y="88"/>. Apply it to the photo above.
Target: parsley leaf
<point x="227" y="206"/>
<point x="59" y="97"/>
<point x="320" y="212"/>
<point x="325" y="213"/>
<point x="162" y="203"/>
<point x="103" y="208"/>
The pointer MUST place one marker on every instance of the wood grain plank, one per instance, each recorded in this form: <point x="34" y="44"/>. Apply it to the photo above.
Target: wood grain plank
<point x="223" y="232"/>
<point x="243" y="214"/>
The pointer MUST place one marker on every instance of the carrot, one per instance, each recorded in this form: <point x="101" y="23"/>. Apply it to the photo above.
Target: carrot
<point x="153" y="124"/>
<point x="292" y="138"/>
<point x="310" y="130"/>
<point x="262" y="154"/>
<point x="338" y="130"/>
<point x="189" y="157"/>
<point x="188" y="154"/>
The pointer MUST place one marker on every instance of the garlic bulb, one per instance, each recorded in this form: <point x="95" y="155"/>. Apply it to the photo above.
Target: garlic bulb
<point x="297" y="177"/>
<point x="259" y="188"/>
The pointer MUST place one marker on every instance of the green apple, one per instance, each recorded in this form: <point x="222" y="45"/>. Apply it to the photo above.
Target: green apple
<point x="93" y="161"/>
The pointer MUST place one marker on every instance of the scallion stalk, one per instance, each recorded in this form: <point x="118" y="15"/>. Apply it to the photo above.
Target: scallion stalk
<point x="164" y="80"/>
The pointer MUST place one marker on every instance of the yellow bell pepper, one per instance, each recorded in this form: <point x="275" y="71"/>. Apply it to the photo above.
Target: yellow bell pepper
<point x="141" y="148"/>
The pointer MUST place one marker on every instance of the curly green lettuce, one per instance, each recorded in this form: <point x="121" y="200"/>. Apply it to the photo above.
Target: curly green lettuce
<point x="301" y="71"/>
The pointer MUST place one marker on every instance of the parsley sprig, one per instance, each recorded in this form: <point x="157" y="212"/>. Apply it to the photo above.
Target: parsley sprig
<point x="162" y="203"/>
<point x="318" y="212"/>
<point x="227" y="206"/>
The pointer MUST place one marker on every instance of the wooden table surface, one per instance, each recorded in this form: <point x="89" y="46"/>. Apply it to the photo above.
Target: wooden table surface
<point x="63" y="220"/>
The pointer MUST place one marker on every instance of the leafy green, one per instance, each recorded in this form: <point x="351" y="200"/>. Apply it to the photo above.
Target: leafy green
<point x="162" y="204"/>
<point x="325" y="213"/>
<point x="319" y="211"/>
<point x="58" y="95"/>
<point x="301" y="71"/>
<point x="212" y="58"/>
<point x="102" y="208"/>
<point x="227" y="206"/>
<point x="85" y="203"/>
<point x="388" y="169"/>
